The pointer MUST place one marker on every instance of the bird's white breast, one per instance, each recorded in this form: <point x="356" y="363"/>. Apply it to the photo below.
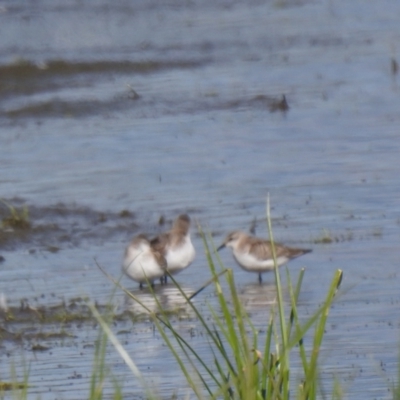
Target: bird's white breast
<point x="141" y="264"/>
<point x="180" y="257"/>
<point x="251" y="263"/>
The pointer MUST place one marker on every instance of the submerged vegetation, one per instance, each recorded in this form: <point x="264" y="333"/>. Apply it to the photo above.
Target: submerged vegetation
<point x="37" y="326"/>
<point x="327" y="237"/>
<point x="17" y="218"/>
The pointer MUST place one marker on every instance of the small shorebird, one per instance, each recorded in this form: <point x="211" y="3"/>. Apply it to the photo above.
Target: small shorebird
<point x="176" y="246"/>
<point x="255" y="255"/>
<point x="142" y="263"/>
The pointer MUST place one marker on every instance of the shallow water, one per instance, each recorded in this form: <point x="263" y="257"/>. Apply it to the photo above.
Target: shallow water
<point x="162" y="109"/>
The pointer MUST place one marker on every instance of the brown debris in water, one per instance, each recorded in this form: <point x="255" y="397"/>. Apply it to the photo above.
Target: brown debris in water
<point x="394" y="66"/>
<point x="279" y="105"/>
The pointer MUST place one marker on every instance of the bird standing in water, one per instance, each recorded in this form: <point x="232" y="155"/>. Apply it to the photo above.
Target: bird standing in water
<point x="176" y="245"/>
<point x="255" y="255"/>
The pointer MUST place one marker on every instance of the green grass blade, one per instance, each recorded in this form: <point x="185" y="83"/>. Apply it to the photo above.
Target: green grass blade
<point x="312" y="372"/>
<point x="120" y="349"/>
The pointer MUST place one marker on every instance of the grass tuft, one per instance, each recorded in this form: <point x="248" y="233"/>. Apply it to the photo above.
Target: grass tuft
<point x="247" y="363"/>
<point x="324" y="238"/>
<point x="17" y="218"/>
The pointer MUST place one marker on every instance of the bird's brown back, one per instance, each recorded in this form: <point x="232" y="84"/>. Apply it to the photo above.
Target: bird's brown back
<point x="262" y="249"/>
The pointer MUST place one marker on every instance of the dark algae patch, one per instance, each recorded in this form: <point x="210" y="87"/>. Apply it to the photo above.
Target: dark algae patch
<point x="40" y="325"/>
<point x="26" y="77"/>
<point x="7" y="386"/>
<point x="52" y="228"/>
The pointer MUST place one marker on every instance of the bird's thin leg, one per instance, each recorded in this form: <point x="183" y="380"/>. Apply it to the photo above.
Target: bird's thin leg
<point x="165" y="279"/>
<point x="260" y="278"/>
<point x="140" y="285"/>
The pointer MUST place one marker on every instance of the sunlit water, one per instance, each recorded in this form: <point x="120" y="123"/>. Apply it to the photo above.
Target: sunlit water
<point x="199" y="140"/>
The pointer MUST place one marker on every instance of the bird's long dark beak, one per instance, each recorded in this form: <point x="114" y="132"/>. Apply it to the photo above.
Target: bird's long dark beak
<point x="221" y="247"/>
